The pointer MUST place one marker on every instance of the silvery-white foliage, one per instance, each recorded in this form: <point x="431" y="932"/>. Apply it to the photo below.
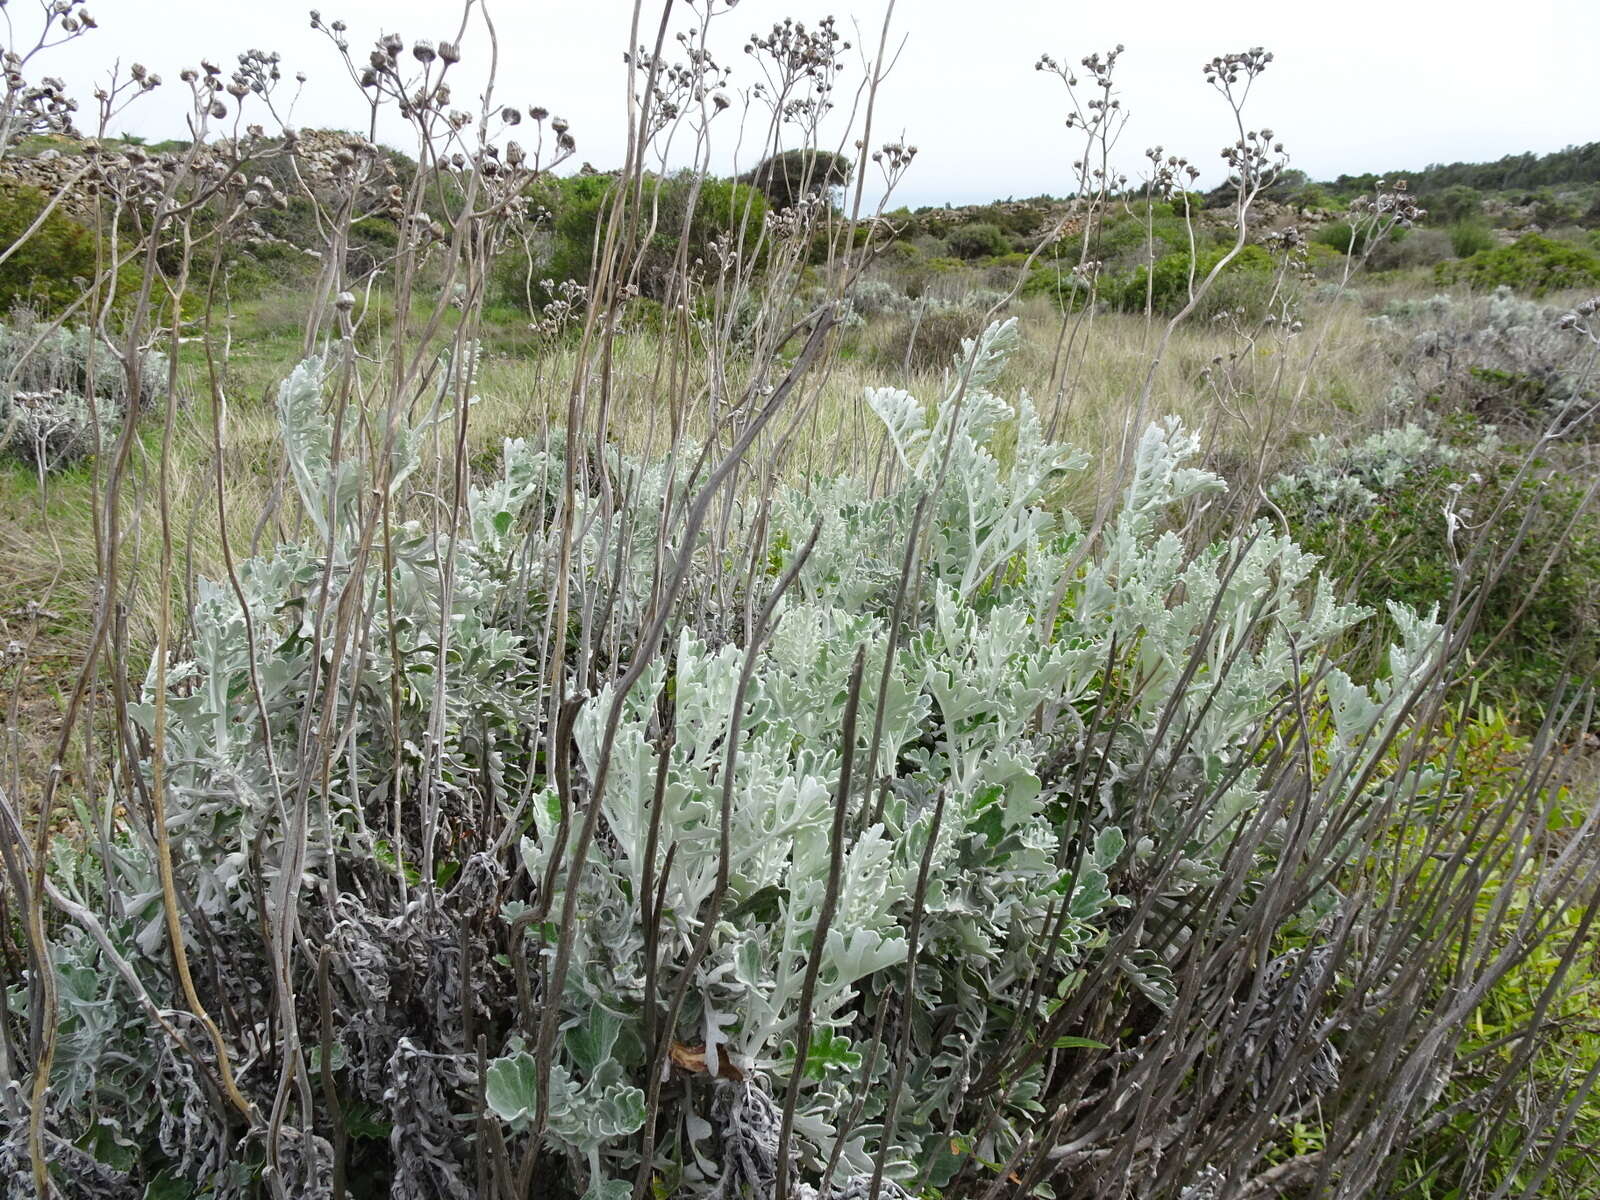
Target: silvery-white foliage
<point x="1501" y="343"/>
<point x="1012" y="634"/>
<point x="1340" y="480"/>
<point x="1005" y="629"/>
<point x="41" y="356"/>
<point x="63" y="392"/>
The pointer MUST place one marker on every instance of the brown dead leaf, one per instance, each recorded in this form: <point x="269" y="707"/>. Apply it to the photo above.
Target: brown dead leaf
<point x="693" y="1060"/>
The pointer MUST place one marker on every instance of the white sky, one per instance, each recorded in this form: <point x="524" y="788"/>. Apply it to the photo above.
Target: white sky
<point x="1352" y="88"/>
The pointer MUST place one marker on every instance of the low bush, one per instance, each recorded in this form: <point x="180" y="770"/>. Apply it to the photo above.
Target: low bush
<point x="877" y="298"/>
<point x="50" y="373"/>
<point x="1245" y="283"/>
<point x="977" y="240"/>
<point x="1055" y="279"/>
<point x="1347" y="237"/>
<point x="1501" y="358"/>
<point x="1551" y="210"/>
<point x="579" y="204"/>
<point x="1471" y="237"/>
<point x="926" y="338"/>
<point x="1126" y="239"/>
<point x="1396" y="514"/>
<point x="1049" y="890"/>
<point x="54" y="266"/>
<point x="1532" y="264"/>
<point x="1536" y="1023"/>
<point x="1415" y="248"/>
<point x="788" y="177"/>
<point x="1455" y="205"/>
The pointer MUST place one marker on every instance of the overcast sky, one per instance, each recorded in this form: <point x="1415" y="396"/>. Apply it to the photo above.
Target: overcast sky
<point x="1353" y="87"/>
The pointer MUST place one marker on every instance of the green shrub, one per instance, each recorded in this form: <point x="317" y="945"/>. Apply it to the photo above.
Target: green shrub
<point x="1313" y="195"/>
<point x="900" y="253"/>
<point x="1393" y="513"/>
<point x="1244" y="282"/>
<point x="1034" y="844"/>
<point x="1055" y="279"/>
<point x="580" y="203"/>
<point x="1186" y="204"/>
<point x="54" y="266"/>
<point x="1550" y="210"/>
<point x="977" y="240"/>
<point x="1126" y="239"/>
<point x="1532" y="264"/>
<point x="1410" y="248"/>
<point x="1350" y="237"/>
<point x="1461" y="1154"/>
<point x="1469" y="237"/>
<point x="789" y="176"/>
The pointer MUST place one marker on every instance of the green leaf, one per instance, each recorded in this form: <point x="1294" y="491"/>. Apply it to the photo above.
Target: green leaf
<point x="1078" y="1043"/>
<point x="617" y="1112"/>
<point x="363" y="1122"/>
<point x="167" y="1187"/>
<point x="989" y="818"/>
<point x="1108" y="847"/>
<point x="763" y="906"/>
<point x="828" y="1051"/>
<point x="510" y="1089"/>
<point x="590" y="1043"/>
<point x="107" y="1147"/>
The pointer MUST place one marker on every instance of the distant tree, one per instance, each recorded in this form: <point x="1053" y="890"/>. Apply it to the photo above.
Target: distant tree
<point x="1574" y="164"/>
<point x="1453" y="205"/>
<point x="789" y="177"/>
<point x="1284" y="185"/>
